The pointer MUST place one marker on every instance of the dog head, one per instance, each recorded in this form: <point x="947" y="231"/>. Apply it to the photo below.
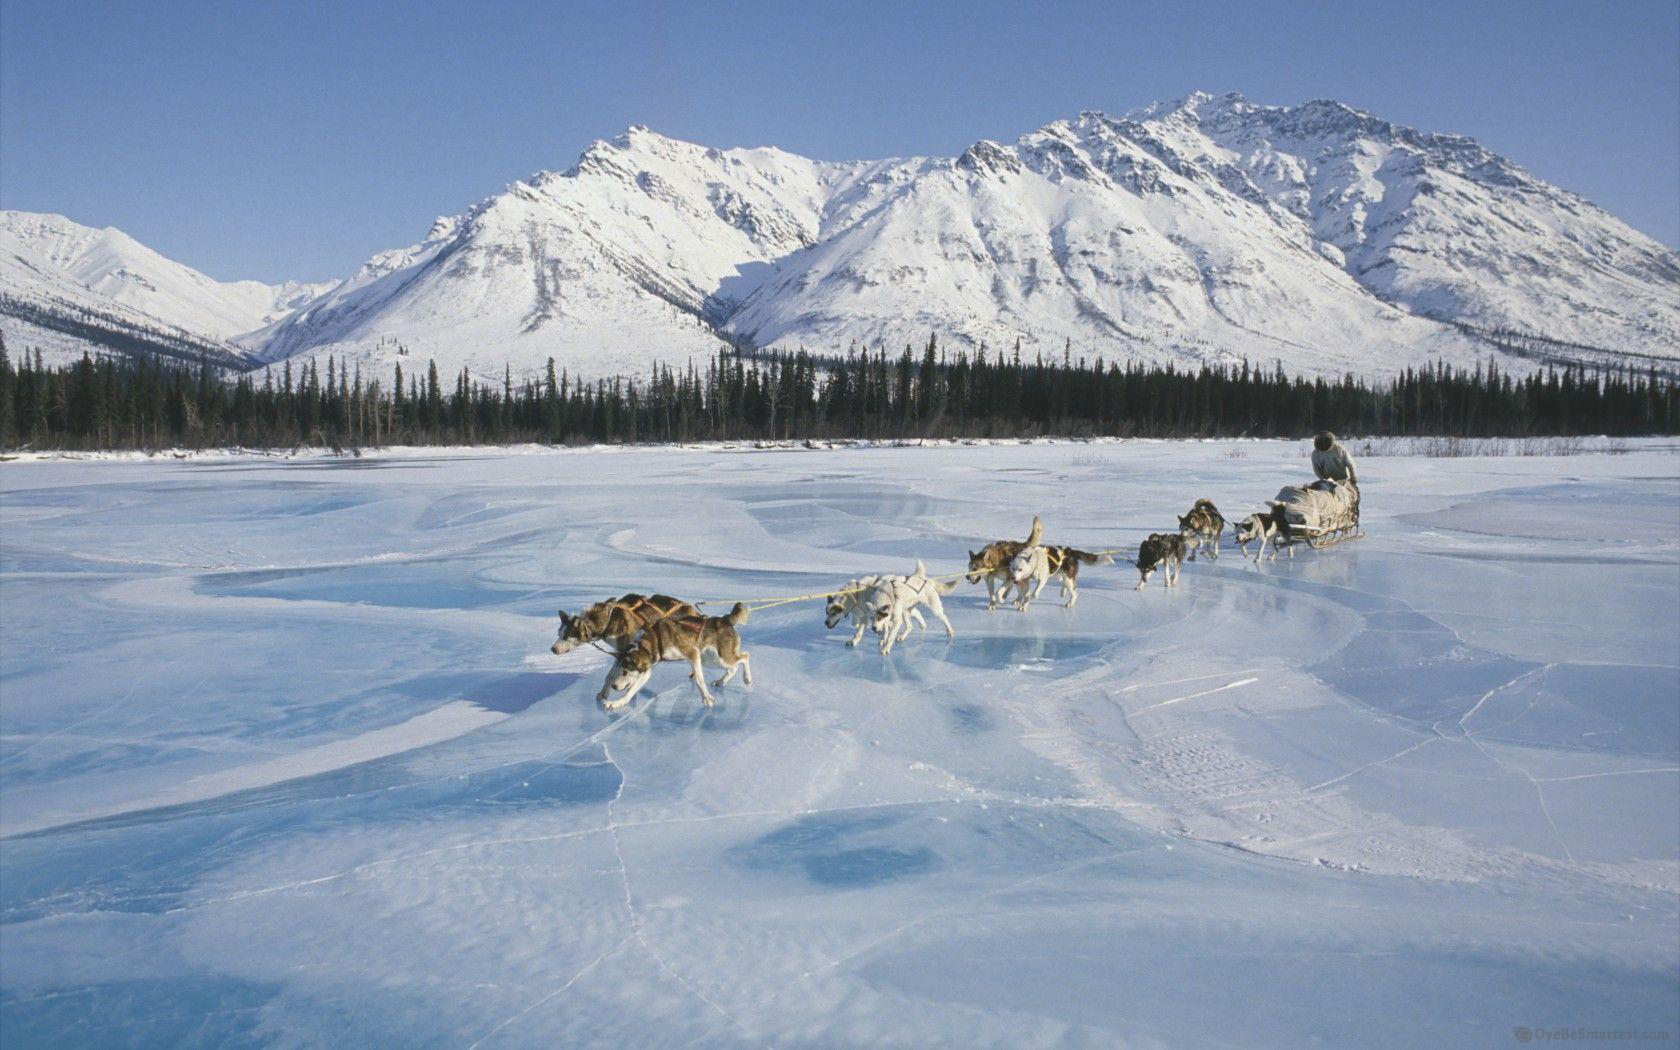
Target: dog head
<point x="570" y="636"/>
<point x="1250" y="528"/>
<point x="583" y="628"/>
<point x="1021" y="566"/>
<point x="836" y="610"/>
<point x="880" y="604"/>
<point x="977" y="567"/>
<point x="631" y="666"/>
<point x="1151" y="553"/>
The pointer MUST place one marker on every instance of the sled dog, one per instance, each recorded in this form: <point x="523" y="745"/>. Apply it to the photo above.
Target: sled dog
<point x="852" y="602"/>
<point x="1164" y="551"/>
<point x="682" y="638"/>
<point x="1266" y="525"/>
<point x="991" y="564"/>
<point x="1202" y="528"/>
<point x="617" y="622"/>
<point x="896" y="599"/>
<point x="1033" y="566"/>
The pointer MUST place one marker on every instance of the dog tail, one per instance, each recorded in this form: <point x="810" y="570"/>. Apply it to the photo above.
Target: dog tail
<point x="1037" y="532"/>
<point x="946" y="586"/>
<point x="737" y="615"/>
<point x="1087" y="558"/>
<point x="921" y="570"/>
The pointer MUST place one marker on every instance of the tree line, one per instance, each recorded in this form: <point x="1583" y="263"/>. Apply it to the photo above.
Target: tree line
<point x="112" y="402"/>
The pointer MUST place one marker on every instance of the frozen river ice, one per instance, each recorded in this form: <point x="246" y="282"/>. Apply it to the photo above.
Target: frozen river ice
<point x="284" y="758"/>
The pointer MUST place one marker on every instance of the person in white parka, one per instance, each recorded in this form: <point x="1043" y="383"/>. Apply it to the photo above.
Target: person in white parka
<point x="1334" y="466"/>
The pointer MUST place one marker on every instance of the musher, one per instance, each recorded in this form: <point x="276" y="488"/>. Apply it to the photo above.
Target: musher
<point x="1334" y="466"/>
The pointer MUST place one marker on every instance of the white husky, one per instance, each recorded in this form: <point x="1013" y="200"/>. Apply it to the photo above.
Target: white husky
<point x="895" y="600"/>
<point x="1035" y="564"/>
<point x="852" y="603"/>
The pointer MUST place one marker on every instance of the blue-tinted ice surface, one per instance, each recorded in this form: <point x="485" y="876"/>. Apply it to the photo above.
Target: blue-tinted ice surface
<point x="284" y="758"/>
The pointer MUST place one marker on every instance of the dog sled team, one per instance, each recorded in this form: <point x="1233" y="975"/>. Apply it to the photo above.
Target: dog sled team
<point x="642" y="631"/>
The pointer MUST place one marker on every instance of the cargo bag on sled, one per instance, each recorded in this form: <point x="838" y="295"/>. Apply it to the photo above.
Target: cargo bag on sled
<point x="1316" y="510"/>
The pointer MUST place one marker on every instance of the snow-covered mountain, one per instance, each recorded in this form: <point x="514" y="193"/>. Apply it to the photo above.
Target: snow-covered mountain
<point x="1204" y="229"/>
<point x="627" y="258"/>
<point x="57" y="277"/>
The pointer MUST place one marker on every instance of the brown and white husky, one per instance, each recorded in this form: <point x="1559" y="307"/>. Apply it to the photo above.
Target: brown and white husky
<point x="616" y="621"/>
<point x="682" y="638"/>
<point x="991" y="563"/>
<point x="1201" y="528"/>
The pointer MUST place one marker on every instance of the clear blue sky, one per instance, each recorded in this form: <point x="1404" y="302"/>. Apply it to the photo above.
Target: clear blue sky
<point x="275" y="140"/>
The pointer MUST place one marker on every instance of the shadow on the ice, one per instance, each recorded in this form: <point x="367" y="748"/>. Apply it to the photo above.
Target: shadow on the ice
<point x="971" y="718"/>
<point x="149" y="861"/>
<point x="836" y="850"/>
<point x="181" y="1010"/>
<point x="410" y="585"/>
<point x="508" y="694"/>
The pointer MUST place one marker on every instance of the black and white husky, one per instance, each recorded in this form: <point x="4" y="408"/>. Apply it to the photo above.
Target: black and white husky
<point x="1164" y="551"/>
<point x="1266" y="525"/>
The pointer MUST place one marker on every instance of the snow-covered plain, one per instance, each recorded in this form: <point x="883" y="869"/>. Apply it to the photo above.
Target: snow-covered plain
<point x="285" y="759"/>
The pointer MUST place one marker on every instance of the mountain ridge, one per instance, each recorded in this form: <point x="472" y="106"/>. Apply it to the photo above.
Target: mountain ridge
<point x="1206" y="229"/>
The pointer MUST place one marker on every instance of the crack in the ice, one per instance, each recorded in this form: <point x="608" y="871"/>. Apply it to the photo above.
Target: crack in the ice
<point x="1372" y="765"/>
<point x="635" y="916"/>
<point x="1543" y="668"/>
<point x="1192" y="678"/>
<point x="1539" y="792"/>
<point x="1194" y="696"/>
<point x="381" y="862"/>
<point x="573" y="979"/>
<point x="132" y="686"/>
<point x="1610" y="773"/>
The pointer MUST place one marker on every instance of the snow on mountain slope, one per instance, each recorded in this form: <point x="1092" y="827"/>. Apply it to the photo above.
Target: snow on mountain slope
<point x="1437" y="223"/>
<point x="1206" y="229"/>
<point x="1079" y="234"/>
<point x="1203" y="230"/>
<point x="115" y="266"/>
<point x="621" y="261"/>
